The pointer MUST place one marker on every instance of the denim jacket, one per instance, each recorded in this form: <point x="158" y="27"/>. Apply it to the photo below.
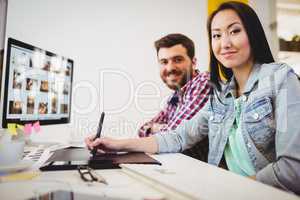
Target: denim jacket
<point x="269" y="122"/>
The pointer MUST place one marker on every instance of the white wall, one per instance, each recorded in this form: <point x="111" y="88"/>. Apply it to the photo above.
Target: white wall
<point x="266" y="11"/>
<point x="288" y="16"/>
<point x="115" y="36"/>
<point x="3" y="9"/>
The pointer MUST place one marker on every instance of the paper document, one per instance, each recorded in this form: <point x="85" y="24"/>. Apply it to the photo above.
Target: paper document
<point x="39" y="155"/>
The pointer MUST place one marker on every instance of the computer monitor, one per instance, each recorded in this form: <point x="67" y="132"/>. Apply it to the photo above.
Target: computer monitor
<point x="38" y="85"/>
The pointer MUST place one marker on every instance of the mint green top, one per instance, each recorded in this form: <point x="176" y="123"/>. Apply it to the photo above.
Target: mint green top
<point x="236" y="155"/>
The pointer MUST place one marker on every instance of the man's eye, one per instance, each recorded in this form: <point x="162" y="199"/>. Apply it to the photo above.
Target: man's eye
<point x="163" y="62"/>
<point x="178" y="59"/>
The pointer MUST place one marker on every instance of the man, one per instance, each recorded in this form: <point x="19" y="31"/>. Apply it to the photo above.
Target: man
<point x="176" y="57"/>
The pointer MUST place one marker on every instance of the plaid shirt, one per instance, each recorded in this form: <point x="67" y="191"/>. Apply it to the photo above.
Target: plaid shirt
<point x="182" y="105"/>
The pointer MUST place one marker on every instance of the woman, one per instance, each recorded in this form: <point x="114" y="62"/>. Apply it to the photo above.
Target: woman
<point x="252" y="117"/>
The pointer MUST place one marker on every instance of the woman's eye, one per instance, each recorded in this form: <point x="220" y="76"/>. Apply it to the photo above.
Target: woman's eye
<point x="235" y="31"/>
<point x="216" y="36"/>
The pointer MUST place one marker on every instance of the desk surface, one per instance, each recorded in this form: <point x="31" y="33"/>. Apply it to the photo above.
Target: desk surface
<point x="200" y="180"/>
<point x="119" y="185"/>
<point x="179" y="177"/>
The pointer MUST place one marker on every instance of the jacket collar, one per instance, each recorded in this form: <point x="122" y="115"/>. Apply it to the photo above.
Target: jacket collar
<point x="252" y="80"/>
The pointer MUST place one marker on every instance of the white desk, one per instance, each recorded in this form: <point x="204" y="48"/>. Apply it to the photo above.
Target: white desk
<point x="119" y="185"/>
<point x="198" y="180"/>
<point x="180" y="177"/>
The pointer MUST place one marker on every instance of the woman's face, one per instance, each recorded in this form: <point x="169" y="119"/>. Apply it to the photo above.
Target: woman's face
<point x="229" y="40"/>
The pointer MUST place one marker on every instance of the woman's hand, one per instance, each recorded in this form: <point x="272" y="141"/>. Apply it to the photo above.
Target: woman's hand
<point x="104" y="145"/>
<point x="252" y="177"/>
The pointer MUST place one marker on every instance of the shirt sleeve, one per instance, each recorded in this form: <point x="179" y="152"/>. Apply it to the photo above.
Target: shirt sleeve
<point x="195" y="100"/>
<point x="284" y="172"/>
<point x="160" y="118"/>
<point x="185" y="135"/>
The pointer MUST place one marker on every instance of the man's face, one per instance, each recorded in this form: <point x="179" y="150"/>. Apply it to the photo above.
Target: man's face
<point x="176" y="67"/>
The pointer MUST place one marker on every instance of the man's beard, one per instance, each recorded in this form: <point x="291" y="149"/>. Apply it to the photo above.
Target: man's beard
<point x="185" y="76"/>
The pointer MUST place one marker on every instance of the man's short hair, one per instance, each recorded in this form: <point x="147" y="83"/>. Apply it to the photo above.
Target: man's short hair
<point x="175" y="39"/>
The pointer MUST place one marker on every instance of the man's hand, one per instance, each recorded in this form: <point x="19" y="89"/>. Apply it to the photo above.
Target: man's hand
<point x="156" y="127"/>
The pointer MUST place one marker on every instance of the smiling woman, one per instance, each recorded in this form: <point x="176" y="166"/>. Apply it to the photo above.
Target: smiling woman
<point x="251" y="120"/>
<point x="231" y="46"/>
<point x="237" y="38"/>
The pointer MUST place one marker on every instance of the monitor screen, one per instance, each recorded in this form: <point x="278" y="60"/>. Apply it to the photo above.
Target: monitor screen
<point x="38" y="85"/>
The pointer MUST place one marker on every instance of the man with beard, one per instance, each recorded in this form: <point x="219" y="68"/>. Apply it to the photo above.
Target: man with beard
<point x="176" y="57"/>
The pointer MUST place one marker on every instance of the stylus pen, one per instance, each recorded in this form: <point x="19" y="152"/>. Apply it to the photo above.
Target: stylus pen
<point x="94" y="151"/>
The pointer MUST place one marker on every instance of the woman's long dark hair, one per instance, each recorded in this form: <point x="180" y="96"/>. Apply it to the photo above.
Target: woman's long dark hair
<point x="260" y="49"/>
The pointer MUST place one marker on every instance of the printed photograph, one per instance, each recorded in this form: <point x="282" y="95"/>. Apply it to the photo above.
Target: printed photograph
<point x="55" y="65"/>
<point x="30" y="62"/>
<point x="23" y="60"/>
<point x="30" y="105"/>
<point x="47" y="66"/>
<point x="64" y="108"/>
<point x="44" y="86"/>
<point x="68" y="71"/>
<point x="17" y="80"/>
<point x="54" y="88"/>
<point x="66" y="89"/>
<point x="31" y="84"/>
<point x="43" y="108"/>
<point x="54" y="105"/>
<point x="15" y="107"/>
